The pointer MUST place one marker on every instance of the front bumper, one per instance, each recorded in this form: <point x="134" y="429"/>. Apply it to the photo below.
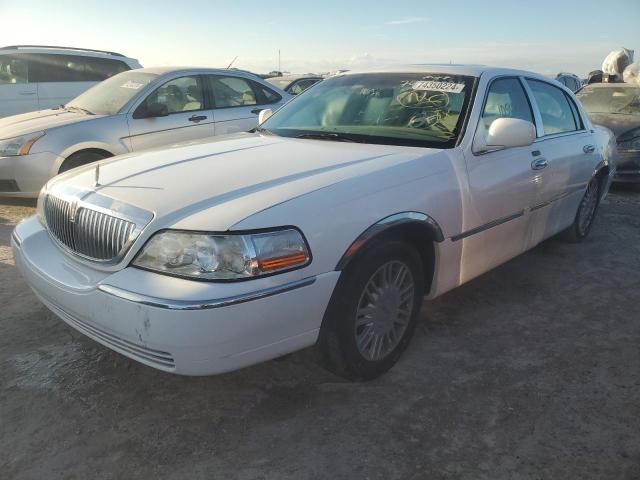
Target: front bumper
<point x="202" y="329"/>
<point x="24" y="175"/>
<point x="628" y="167"/>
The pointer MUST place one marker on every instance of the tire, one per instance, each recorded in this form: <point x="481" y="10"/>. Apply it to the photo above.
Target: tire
<point x="81" y="158"/>
<point x="586" y="214"/>
<point x="361" y="339"/>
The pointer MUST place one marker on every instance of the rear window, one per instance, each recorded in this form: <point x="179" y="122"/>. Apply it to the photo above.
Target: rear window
<point x="614" y="99"/>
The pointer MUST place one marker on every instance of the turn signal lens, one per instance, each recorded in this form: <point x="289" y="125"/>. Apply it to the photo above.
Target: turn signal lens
<point x="287" y="261"/>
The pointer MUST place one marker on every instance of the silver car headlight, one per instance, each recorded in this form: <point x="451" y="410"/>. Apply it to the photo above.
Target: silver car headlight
<point x="15" y="146"/>
<point x="213" y="256"/>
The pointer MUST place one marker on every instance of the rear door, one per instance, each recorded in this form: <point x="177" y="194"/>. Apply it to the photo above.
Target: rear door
<point x="17" y="93"/>
<point x="187" y="115"/>
<point x="563" y="159"/>
<point x="237" y="103"/>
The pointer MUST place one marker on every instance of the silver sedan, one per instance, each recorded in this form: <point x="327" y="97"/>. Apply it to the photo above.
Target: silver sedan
<point x="132" y="111"/>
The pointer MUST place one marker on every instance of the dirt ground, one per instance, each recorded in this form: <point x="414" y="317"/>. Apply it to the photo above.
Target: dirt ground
<point x="529" y="372"/>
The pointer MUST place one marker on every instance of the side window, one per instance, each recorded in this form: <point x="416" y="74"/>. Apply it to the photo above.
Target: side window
<point x="184" y="94"/>
<point x="576" y="114"/>
<point x="301" y="85"/>
<point x="232" y="92"/>
<point x="54" y="68"/>
<point x="557" y="115"/>
<point x="268" y="95"/>
<point x="13" y="69"/>
<point x="98" y="69"/>
<point x="506" y="99"/>
<point x="72" y="68"/>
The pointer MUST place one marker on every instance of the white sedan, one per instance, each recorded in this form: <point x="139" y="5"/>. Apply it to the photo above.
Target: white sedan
<point x="325" y="226"/>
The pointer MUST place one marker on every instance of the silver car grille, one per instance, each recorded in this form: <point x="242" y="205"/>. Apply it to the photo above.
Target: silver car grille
<point x="89" y="231"/>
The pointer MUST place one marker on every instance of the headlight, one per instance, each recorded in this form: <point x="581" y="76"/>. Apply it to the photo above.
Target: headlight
<point x="19" y="145"/>
<point x="224" y="256"/>
<point x="629" y="140"/>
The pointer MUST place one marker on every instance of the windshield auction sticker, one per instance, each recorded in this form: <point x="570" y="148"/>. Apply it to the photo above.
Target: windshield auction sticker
<point x="433" y="86"/>
<point x="131" y="85"/>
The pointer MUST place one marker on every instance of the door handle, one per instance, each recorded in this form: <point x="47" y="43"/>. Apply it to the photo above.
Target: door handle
<point x="256" y="111"/>
<point x="197" y="118"/>
<point x="588" y="149"/>
<point x="539" y="164"/>
<point x="27" y="93"/>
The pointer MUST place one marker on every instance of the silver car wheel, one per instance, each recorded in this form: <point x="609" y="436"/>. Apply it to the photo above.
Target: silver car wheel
<point x="384" y="310"/>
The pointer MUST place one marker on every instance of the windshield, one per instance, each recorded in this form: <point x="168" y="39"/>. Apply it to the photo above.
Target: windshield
<point x="109" y="96"/>
<point x="623" y="99"/>
<point x="413" y="109"/>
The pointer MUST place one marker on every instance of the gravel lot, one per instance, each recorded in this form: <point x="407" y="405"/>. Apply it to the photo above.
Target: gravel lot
<point x="531" y="371"/>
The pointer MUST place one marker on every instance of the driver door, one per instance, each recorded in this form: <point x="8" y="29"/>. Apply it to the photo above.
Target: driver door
<point x="501" y="187"/>
<point x="184" y="115"/>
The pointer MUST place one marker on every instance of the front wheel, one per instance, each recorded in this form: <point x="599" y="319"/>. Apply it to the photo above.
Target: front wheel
<point x="81" y="158"/>
<point x="587" y="209"/>
<point x="373" y="312"/>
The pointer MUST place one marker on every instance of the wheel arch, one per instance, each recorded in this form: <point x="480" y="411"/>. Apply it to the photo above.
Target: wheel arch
<point x="416" y="228"/>
<point x="68" y="154"/>
<point x="602" y="172"/>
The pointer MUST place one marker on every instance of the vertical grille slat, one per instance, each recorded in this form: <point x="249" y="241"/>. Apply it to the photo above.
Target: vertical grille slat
<point x="93" y="234"/>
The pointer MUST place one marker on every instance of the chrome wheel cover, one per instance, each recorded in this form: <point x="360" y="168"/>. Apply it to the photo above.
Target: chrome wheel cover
<point x="588" y="207"/>
<point x="384" y="310"/>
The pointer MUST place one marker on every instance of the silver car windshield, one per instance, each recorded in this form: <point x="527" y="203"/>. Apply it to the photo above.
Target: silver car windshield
<point x="620" y="99"/>
<point x="413" y="109"/>
<point x="109" y="96"/>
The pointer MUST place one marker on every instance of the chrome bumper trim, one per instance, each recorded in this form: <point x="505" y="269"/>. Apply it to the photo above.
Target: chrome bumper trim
<point x="16" y="238"/>
<point x="204" y="304"/>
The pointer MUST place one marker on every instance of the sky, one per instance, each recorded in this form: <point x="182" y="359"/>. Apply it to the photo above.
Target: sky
<point x="542" y="35"/>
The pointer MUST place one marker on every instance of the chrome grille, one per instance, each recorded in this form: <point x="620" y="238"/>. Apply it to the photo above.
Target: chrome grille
<point x="90" y="233"/>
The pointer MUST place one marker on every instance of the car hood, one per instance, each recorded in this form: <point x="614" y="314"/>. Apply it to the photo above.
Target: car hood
<point x="26" y="123"/>
<point x="616" y="122"/>
<point x="233" y="178"/>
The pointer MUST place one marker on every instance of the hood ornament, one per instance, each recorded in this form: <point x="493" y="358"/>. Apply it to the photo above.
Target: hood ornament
<point x="97" y="176"/>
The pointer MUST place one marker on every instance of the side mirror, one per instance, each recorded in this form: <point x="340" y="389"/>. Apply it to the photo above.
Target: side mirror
<point x="510" y="132"/>
<point x="264" y="115"/>
<point x="156" y="110"/>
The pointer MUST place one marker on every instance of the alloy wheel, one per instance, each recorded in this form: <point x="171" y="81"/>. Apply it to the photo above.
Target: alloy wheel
<point x="384" y="310"/>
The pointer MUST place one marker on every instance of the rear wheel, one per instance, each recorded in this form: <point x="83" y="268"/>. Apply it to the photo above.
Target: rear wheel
<point x="373" y="312"/>
<point x="586" y="213"/>
<point x="82" y="158"/>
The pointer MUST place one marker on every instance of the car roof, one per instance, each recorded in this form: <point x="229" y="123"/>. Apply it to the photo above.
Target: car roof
<point x="197" y="70"/>
<point x="55" y="50"/>
<point x="293" y="77"/>
<point x="449" y="69"/>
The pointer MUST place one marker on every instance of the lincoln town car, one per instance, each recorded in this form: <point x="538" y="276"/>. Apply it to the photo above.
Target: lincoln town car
<point x="325" y="226"/>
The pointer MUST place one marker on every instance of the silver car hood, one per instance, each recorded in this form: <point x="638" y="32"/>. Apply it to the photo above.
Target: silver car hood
<point x="26" y="123"/>
<point x="231" y="179"/>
